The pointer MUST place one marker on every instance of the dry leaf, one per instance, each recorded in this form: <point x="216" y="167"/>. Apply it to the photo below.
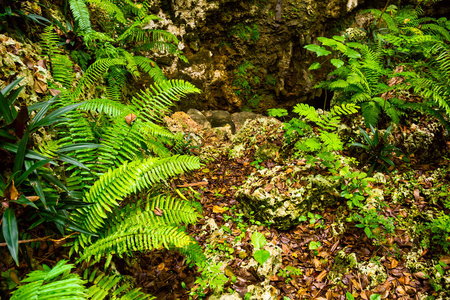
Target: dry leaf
<point x="317" y="264"/>
<point x="416" y="194"/>
<point x="40" y="86"/>
<point x="28" y="62"/>
<point x="33" y="198"/>
<point x="158" y="211"/>
<point x="130" y="118"/>
<point x="218" y="209"/>
<point x="161" y="266"/>
<point x="54" y="92"/>
<point x="321" y="276"/>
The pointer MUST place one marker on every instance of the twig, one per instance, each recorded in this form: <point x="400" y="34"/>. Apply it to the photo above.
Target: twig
<point x="192" y="184"/>
<point x="47" y="238"/>
<point x="384" y="10"/>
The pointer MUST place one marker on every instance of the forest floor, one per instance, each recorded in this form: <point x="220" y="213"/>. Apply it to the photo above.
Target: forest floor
<point x="165" y="274"/>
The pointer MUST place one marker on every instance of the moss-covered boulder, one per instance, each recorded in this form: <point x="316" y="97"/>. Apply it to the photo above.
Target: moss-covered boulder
<point x="284" y="193"/>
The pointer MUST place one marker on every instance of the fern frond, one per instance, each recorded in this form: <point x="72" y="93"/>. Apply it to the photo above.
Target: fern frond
<point x="129" y="178"/>
<point x="55" y="283"/>
<point x="95" y="71"/>
<point x="150" y="67"/>
<point x="136" y="238"/>
<point x="371" y="112"/>
<point x="105" y="106"/>
<point x="344" y="109"/>
<point x="50" y="42"/>
<point x="306" y="111"/>
<point x="436" y="30"/>
<point x="154" y="102"/>
<point x="104" y="285"/>
<point x="331" y="141"/>
<point x="62" y="68"/>
<point x="81" y="14"/>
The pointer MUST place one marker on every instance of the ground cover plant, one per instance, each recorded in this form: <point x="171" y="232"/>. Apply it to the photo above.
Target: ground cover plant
<point x="92" y="166"/>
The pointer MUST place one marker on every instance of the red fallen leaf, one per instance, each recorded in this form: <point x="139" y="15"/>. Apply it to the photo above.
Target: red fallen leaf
<point x="158" y="211"/>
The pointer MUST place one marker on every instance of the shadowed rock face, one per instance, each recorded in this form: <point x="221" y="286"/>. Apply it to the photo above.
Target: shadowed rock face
<point x="249" y="53"/>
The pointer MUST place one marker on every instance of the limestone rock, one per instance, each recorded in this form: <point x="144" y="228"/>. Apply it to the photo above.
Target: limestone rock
<point x="282" y="194"/>
<point x="240" y="118"/>
<point x="262" y="132"/>
<point x="199" y="118"/>
<point x="220" y="118"/>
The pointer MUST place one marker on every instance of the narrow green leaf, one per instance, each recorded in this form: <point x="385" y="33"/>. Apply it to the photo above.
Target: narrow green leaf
<point x="5" y="110"/>
<point x="79" y="146"/>
<point x="11" y="233"/>
<point x="23" y="200"/>
<point x="30" y="170"/>
<point x="10" y="86"/>
<point x="65" y="222"/>
<point x="53" y="116"/>
<point x="20" y="155"/>
<point x="7" y="135"/>
<point x="72" y="161"/>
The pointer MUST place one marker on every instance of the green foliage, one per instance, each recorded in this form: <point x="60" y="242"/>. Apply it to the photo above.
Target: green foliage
<point x="411" y="54"/>
<point x="375" y="225"/>
<point x="55" y="283"/>
<point x="245" y="32"/>
<point x="288" y="272"/>
<point x="211" y="278"/>
<point x="354" y="185"/>
<point x="318" y="146"/>
<point x="439" y="231"/>
<point x="59" y="283"/>
<point x="379" y="149"/>
<point x="258" y="241"/>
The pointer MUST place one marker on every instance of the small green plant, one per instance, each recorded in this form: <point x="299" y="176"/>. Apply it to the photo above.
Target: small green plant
<point x="245" y="32"/>
<point x="379" y="149"/>
<point x="320" y="146"/>
<point x="355" y="185"/>
<point x="376" y="226"/>
<point x="257" y="163"/>
<point x="313" y="246"/>
<point x="288" y="272"/>
<point x="314" y="219"/>
<point x="277" y="112"/>
<point x="211" y="278"/>
<point x="439" y="228"/>
<point x="258" y="241"/>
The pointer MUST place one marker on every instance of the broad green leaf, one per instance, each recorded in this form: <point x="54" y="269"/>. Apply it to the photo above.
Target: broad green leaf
<point x="337" y="62"/>
<point x="258" y="240"/>
<point x="320" y="51"/>
<point x="375" y="297"/>
<point x="11" y="233"/>
<point x="349" y="296"/>
<point x="315" y="66"/>
<point x="261" y="256"/>
<point x="339" y="38"/>
<point x="352" y="53"/>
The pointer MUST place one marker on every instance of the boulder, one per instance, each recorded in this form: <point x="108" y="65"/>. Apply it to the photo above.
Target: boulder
<point x="282" y="194"/>
<point x="220" y="118"/>
<point x="240" y="118"/>
<point x="199" y="118"/>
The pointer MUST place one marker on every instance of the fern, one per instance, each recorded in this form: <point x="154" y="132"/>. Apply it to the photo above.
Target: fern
<point x="55" y="283"/>
<point x="110" y="286"/>
<point x="110" y="8"/>
<point x="81" y="14"/>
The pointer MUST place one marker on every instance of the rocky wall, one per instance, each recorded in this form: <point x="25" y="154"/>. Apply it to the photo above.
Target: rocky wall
<point x="249" y="53"/>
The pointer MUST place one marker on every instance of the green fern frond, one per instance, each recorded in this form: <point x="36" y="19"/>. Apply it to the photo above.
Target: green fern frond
<point x="331" y="141"/>
<point x="136" y="238"/>
<point x="174" y="211"/>
<point x="55" y="283"/>
<point x="392" y="25"/>
<point x="111" y="286"/>
<point x="153" y="103"/>
<point x="344" y="109"/>
<point x="81" y="14"/>
<point x="95" y="71"/>
<point x="129" y="178"/>
<point x="436" y="30"/>
<point x="150" y="67"/>
<point x="50" y="42"/>
<point x="110" y="8"/>
<point x="306" y="111"/>
<point x="105" y="106"/>
<point x="371" y="112"/>
<point x="194" y="253"/>
<point x="116" y="81"/>
<point x="62" y="68"/>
